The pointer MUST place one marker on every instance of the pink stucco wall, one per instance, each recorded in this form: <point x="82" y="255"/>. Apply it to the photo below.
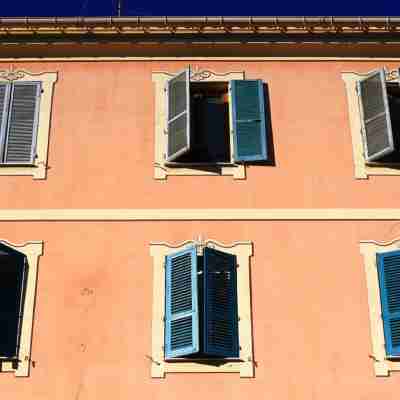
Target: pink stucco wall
<point x="92" y="328"/>
<point x="92" y="325"/>
<point x="101" y="149"/>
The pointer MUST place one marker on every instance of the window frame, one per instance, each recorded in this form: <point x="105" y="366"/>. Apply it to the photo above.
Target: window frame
<point x="369" y="249"/>
<point x="362" y="168"/>
<point x="32" y="250"/>
<point x="245" y="364"/>
<point x="162" y="168"/>
<point x="38" y="168"/>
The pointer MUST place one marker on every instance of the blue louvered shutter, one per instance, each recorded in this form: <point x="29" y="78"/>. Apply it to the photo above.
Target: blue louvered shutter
<point x="178" y="115"/>
<point x="23" y="114"/>
<point x="248" y="120"/>
<point x="389" y="283"/>
<point x="13" y="270"/>
<point x="376" y="123"/>
<point x="181" y="304"/>
<point x="220" y="331"/>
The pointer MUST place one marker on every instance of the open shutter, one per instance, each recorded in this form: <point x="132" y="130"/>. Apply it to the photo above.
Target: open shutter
<point x="4" y="100"/>
<point x="13" y="269"/>
<point x="221" y="337"/>
<point x="389" y="283"/>
<point x="178" y="97"/>
<point x="376" y="125"/>
<point x="248" y="120"/>
<point x="22" y="123"/>
<point x="181" y="304"/>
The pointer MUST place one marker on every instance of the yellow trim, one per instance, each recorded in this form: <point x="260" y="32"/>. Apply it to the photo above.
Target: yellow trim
<point x="243" y="252"/>
<point x="161" y="170"/>
<point x="39" y="169"/>
<point x="361" y="169"/>
<point x="32" y="250"/>
<point x="197" y="214"/>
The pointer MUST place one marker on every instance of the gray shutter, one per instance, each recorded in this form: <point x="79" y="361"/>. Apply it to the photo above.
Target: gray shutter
<point x="4" y="100"/>
<point x="377" y="128"/>
<point x="178" y="118"/>
<point x="22" y="123"/>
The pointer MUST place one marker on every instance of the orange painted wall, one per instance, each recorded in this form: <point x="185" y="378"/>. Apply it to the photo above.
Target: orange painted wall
<point x="101" y="150"/>
<point x="309" y="303"/>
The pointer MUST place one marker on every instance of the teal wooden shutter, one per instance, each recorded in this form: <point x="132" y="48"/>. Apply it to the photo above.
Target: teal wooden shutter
<point x="23" y="114"/>
<point x="248" y="120"/>
<point x="389" y="284"/>
<point x="13" y="269"/>
<point x="178" y="115"/>
<point x="181" y="304"/>
<point x="375" y="116"/>
<point x="220" y="330"/>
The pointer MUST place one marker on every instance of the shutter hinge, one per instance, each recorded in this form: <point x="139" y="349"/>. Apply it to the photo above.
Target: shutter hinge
<point x="163" y="318"/>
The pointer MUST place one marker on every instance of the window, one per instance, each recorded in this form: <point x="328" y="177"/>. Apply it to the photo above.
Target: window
<point x="201" y="308"/>
<point x="208" y="123"/>
<point x="18" y="272"/>
<point x="25" y="107"/>
<point x="201" y="305"/>
<point x="374" y="105"/>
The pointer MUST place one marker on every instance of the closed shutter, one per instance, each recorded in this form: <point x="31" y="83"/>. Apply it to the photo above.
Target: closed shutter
<point x="13" y="269"/>
<point x="376" y="125"/>
<point x="178" y="119"/>
<point x="389" y="283"/>
<point x="248" y="120"/>
<point x="22" y="123"/>
<point x="220" y="305"/>
<point x="181" y="304"/>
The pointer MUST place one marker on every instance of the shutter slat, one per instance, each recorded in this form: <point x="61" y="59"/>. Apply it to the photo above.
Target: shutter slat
<point x="181" y="304"/>
<point x="22" y="123"/>
<point x="248" y="120"/>
<point x="389" y="284"/>
<point x="220" y="333"/>
<point x="178" y="115"/>
<point x="375" y="113"/>
<point x="13" y="271"/>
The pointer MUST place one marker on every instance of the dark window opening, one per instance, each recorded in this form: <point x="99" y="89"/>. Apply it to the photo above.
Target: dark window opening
<point x="209" y="124"/>
<point x="393" y="92"/>
<point x="12" y="287"/>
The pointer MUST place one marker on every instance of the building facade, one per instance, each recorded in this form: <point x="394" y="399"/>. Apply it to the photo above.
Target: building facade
<point x="203" y="206"/>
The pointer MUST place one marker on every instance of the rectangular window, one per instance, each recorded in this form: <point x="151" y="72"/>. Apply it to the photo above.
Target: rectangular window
<point x="201" y="116"/>
<point x="201" y="305"/>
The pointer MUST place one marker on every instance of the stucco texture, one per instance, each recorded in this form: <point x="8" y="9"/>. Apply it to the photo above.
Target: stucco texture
<point x="101" y="150"/>
<point x="92" y="326"/>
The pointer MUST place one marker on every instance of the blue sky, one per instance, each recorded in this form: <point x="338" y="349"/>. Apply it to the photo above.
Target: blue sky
<point x="198" y="7"/>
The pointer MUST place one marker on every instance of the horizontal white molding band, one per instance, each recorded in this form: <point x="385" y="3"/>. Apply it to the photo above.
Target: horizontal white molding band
<point x="223" y="214"/>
